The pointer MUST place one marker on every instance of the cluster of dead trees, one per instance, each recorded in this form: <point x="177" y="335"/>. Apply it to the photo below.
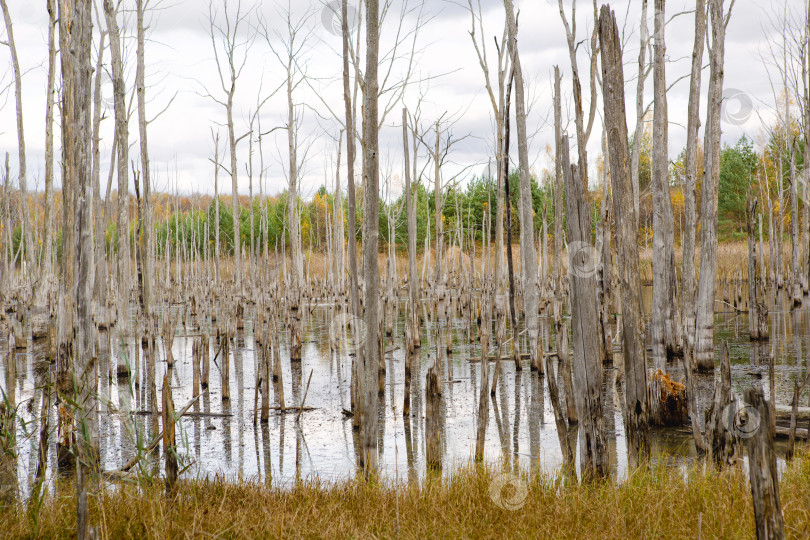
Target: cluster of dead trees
<point x="65" y="299"/>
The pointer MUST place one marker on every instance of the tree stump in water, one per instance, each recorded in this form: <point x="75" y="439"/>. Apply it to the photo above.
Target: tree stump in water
<point x="169" y="443"/>
<point x="433" y="450"/>
<point x="762" y="469"/>
<point x="673" y="407"/>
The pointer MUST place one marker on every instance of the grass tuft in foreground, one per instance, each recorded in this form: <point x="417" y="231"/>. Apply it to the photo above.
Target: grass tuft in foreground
<point x="660" y="503"/>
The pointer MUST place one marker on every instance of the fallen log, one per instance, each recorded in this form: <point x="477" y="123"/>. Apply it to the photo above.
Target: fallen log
<point x="134" y="461"/>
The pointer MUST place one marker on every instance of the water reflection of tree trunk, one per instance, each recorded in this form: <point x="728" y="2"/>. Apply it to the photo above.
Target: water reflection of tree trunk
<point x="412" y="476"/>
<point x="268" y="462"/>
<point x="516" y="427"/>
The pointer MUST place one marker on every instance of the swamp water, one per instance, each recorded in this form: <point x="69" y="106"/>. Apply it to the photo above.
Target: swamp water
<point x="220" y="438"/>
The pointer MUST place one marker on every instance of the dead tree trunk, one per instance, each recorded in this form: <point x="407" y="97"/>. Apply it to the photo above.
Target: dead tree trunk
<point x="663" y="327"/>
<point x="413" y="279"/>
<point x="169" y="442"/>
<point x="584" y="319"/>
<point x="140" y="87"/>
<point x="99" y="287"/>
<point x="26" y="212"/>
<point x="527" y="246"/>
<point x="704" y="333"/>
<point x="371" y="272"/>
<point x="122" y="138"/>
<point x="46" y="280"/>
<point x="762" y="470"/>
<point x="354" y="287"/>
<point x="635" y="369"/>
<point x="643" y="71"/>
<point x="692" y="129"/>
<point x="76" y="32"/>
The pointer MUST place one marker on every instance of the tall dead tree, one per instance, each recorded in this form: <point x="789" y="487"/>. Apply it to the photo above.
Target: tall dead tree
<point x="371" y="274"/>
<point x="100" y="285"/>
<point x="354" y="286"/>
<point x="643" y="71"/>
<point x="704" y="324"/>
<point x="122" y="138"/>
<point x="663" y="327"/>
<point x="140" y="88"/>
<point x="27" y="233"/>
<point x="692" y="129"/>
<point x="479" y="43"/>
<point x="413" y="278"/>
<point x="527" y="246"/>
<point x="288" y="53"/>
<point x="76" y="28"/>
<point x="587" y="365"/>
<point x="635" y="368"/>
<point x="46" y="281"/>
<point x="235" y="48"/>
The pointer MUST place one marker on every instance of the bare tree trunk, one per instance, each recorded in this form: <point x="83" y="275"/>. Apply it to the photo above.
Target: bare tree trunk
<point x="370" y="234"/>
<point x="46" y="280"/>
<point x="527" y="246"/>
<point x="147" y="183"/>
<point x="795" y="282"/>
<point x="26" y="212"/>
<point x="643" y="71"/>
<point x="76" y="33"/>
<point x="292" y="202"/>
<point x="99" y="288"/>
<point x="217" y="259"/>
<point x="438" y="205"/>
<point x="663" y="234"/>
<point x="354" y="288"/>
<point x="704" y="335"/>
<point x="692" y="129"/>
<point x="558" y="189"/>
<point x="762" y="470"/>
<point x="122" y="138"/>
<point x="413" y="279"/>
<point x="584" y="319"/>
<point x="635" y="369"/>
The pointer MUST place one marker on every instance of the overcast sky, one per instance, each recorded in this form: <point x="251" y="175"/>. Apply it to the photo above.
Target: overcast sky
<point x="446" y="74"/>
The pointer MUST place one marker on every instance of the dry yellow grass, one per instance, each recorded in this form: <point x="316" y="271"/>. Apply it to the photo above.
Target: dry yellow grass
<point x="662" y="503"/>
